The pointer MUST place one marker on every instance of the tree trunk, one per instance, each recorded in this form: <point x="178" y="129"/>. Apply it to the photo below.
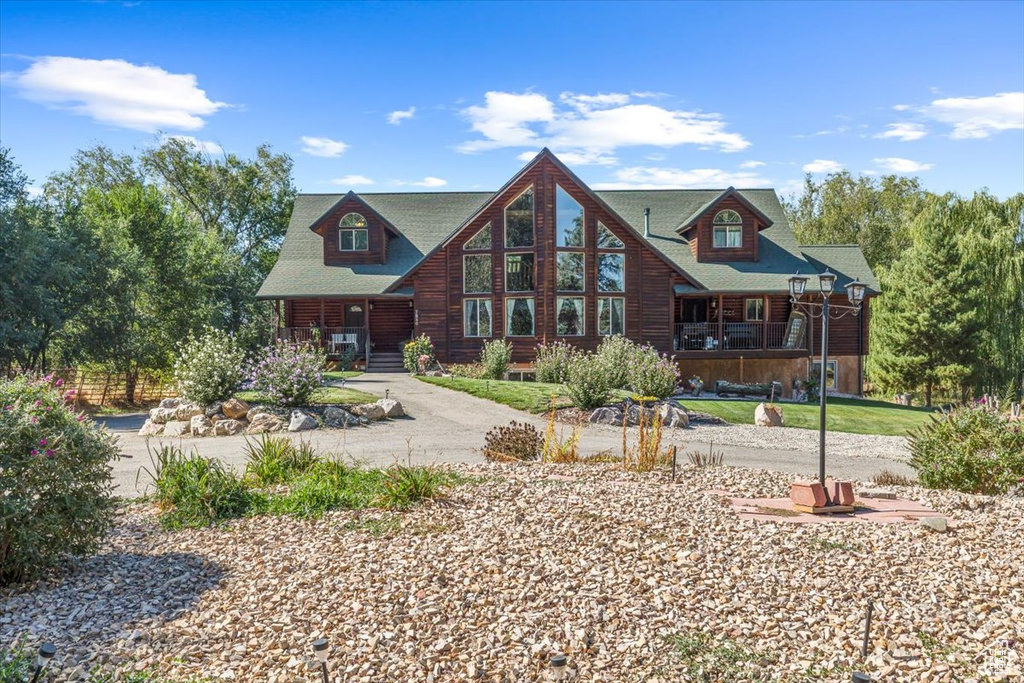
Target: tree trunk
<point x="928" y="394"/>
<point x="131" y="379"/>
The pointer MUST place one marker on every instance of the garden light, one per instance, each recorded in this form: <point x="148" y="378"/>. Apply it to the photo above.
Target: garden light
<point x="797" y="285"/>
<point x="46" y="653"/>
<point x="559" y="664"/>
<point x="827" y="281"/>
<point x="320" y="651"/>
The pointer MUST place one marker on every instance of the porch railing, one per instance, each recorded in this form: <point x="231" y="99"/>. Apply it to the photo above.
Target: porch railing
<point x="733" y="337"/>
<point x="337" y="341"/>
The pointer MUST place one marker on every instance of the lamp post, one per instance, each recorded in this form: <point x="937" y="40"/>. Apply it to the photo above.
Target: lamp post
<point x="824" y="311"/>
<point x="46" y="653"/>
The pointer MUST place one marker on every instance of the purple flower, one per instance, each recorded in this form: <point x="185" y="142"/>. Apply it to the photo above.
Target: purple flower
<point x="33" y="419"/>
<point x="49" y="453"/>
<point x="39" y="402"/>
<point x="33" y="452"/>
<point x="8" y="407"/>
<point x="59" y="383"/>
<point x="42" y="442"/>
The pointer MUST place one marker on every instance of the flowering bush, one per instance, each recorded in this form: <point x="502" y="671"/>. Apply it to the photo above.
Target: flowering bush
<point x="970" y="449"/>
<point x="209" y="367"/>
<point x="495" y="358"/>
<point x="289" y="373"/>
<point x="652" y="374"/>
<point x="55" y="485"/>
<point x="616" y="354"/>
<point x="553" y="362"/>
<point x="414" y="350"/>
<point x="587" y="384"/>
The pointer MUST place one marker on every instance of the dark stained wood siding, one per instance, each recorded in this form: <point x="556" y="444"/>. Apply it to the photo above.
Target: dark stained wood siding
<point x="847" y="336"/>
<point x="377" y="236"/>
<point x="391" y="324"/>
<point x="704" y="238"/>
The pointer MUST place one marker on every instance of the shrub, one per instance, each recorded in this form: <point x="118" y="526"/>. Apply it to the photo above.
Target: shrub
<point x="553" y="362"/>
<point x="55" y="485"/>
<point x="616" y="354"/>
<point x="495" y="358"/>
<point x="970" y="449"/>
<point x="587" y="384"/>
<point x="289" y="373"/>
<point x="652" y="374"/>
<point x="274" y="460"/>
<point x="208" y="367"/>
<point x="405" y="485"/>
<point x="514" y="441"/>
<point x="467" y="370"/>
<point x="414" y="350"/>
<point x="329" y="485"/>
<point x="194" y="491"/>
<point x="890" y="478"/>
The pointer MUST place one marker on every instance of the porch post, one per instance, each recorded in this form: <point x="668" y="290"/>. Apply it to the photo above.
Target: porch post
<point x="321" y="323"/>
<point x="764" y="321"/>
<point x="721" y="324"/>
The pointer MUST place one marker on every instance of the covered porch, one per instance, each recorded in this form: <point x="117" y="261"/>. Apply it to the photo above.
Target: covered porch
<point x="722" y="324"/>
<point x="355" y="328"/>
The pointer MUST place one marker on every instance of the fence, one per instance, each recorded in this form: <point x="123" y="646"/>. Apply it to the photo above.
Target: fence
<point x="95" y="388"/>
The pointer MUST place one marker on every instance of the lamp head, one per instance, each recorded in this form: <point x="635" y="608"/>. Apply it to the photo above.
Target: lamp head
<point x="855" y="291"/>
<point x="827" y="280"/>
<point x="320" y="649"/>
<point x="46" y="653"/>
<point x="797" y="285"/>
<point x="558" y="666"/>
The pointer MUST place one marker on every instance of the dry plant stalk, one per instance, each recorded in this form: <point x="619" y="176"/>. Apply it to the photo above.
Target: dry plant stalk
<point x="558" y="449"/>
<point x="647" y="453"/>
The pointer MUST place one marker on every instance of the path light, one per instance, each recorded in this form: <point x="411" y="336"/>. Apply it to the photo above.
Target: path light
<point x="386" y="392"/>
<point x="559" y="663"/>
<point x="320" y="650"/>
<point x="858" y="677"/>
<point x="46" y="653"/>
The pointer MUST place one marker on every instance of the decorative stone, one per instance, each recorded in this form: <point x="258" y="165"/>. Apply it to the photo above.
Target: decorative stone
<point x="841" y="492"/>
<point x="636" y="412"/>
<point x="235" y="408"/>
<point x="257" y="410"/>
<point x="934" y="523"/>
<point x="766" y="415"/>
<point x="809" y="493"/>
<point x="301" y="422"/>
<point x="672" y="416"/>
<point x="151" y="428"/>
<point x="162" y="415"/>
<point x="177" y="428"/>
<point x="608" y="415"/>
<point x="186" y="411"/>
<point x="371" y="411"/>
<point x="217" y="418"/>
<point x="264" y="422"/>
<point x="228" y="427"/>
<point x="170" y="403"/>
<point x="880" y="494"/>
<point x="339" y="418"/>
<point x="201" y="426"/>
<point x="392" y="408"/>
<point x="213" y="409"/>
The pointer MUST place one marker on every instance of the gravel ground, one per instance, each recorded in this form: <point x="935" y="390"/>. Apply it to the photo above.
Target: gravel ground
<point x="792" y="438"/>
<point x="603" y="565"/>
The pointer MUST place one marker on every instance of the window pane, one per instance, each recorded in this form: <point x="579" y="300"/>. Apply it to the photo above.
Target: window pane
<point x="519" y="317"/>
<point x="471" y="318"/>
<point x="611" y="316"/>
<point x="568" y="219"/>
<point x="345" y="240"/>
<point x="727" y="216"/>
<point x="519" y="221"/>
<point x="611" y="272"/>
<point x="618" y="316"/>
<point x="570" y="271"/>
<point x="755" y="309"/>
<point x="484" y="317"/>
<point x="570" y="316"/>
<point x="481" y="240"/>
<point x="352" y="220"/>
<point x="735" y="236"/>
<point x="361" y="240"/>
<point x="720" y="240"/>
<point x="519" y="273"/>
<point x="477" y="273"/>
<point x="606" y="239"/>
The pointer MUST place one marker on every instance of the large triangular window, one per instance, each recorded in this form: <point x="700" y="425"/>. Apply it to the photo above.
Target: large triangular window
<point x="606" y="239"/>
<point x="481" y="240"/>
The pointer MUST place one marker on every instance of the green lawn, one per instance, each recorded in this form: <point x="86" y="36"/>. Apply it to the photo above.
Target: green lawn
<point x="843" y="415"/>
<point x="322" y="396"/>
<point x="533" y="397"/>
<point x="339" y="375"/>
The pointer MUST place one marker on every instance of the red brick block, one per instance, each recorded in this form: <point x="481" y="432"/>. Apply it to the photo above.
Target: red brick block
<point x="809" y="493"/>
<point x="841" y="492"/>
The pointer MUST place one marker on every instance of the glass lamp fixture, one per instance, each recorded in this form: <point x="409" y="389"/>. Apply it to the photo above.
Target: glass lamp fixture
<point x="46" y="653"/>
<point x="320" y="649"/>
<point x="797" y="285"/>
<point x="855" y="291"/>
<point x="827" y="280"/>
<point x="559" y="664"/>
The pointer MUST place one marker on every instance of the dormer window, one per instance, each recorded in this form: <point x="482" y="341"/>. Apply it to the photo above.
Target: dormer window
<point x="352" y="233"/>
<point x="727" y="230"/>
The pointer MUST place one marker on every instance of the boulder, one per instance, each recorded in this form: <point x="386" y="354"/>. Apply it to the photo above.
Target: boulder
<point x="217" y="417"/>
<point x="170" y="403"/>
<point x="339" y="418"/>
<point x="636" y="412"/>
<point x="301" y="422"/>
<point x="228" y="427"/>
<point x="235" y="408"/>
<point x="608" y="415"/>
<point x="934" y="523"/>
<point x="151" y="428"/>
<point x="257" y="410"/>
<point x="766" y="415"/>
<point x="162" y="415"/>
<point x="213" y="409"/>
<point x="201" y="426"/>
<point x="264" y="422"/>
<point x="186" y="411"/>
<point x="178" y="428"/>
<point x="392" y="408"/>
<point x="371" y="411"/>
<point x="673" y="416"/>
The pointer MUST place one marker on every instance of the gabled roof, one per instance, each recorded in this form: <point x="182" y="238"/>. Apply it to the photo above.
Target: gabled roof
<point x="845" y="260"/>
<point x="690" y="220"/>
<point x="352" y="195"/>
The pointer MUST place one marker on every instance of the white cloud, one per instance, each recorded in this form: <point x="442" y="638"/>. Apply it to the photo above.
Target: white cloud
<point x="323" y="147"/>
<point x="656" y="156"/>
<point x="204" y="146"/>
<point x="351" y="180"/>
<point x="904" y="132"/>
<point x="752" y="164"/>
<point x="823" y="166"/>
<point x="117" y="92"/>
<point x="584" y="158"/>
<point x="396" y="117"/>
<point x="898" y="165"/>
<point x="838" y="130"/>
<point x="33" y="191"/>
<point x="901" y="107"/>
<point x="429" y="181"/>
<point x="652" y="177"/>
<point x="591" y="125"/>
<point x="979" y="117"/>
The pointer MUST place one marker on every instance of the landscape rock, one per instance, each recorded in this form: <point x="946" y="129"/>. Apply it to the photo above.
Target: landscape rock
<point x="301" y="422"/>
<point x="162" y="415"/>
<point x="257" y="410"/>
<point x="228" y="427"/>
<point x="151" y="428"/>
<point x="186" y="411"/>
<point x="214" y="409"/>
<point x="881" y="494"/>
<point x="392" y="408"/>
<point x="673" y="416"/>
<point x="177" y="428"/>
<point x="201" y="426"/>
<point x="371" y="411"/>
<point x="934" y="523"/>
<point x="264" y="422"/>
<point x="768" y="415"/>
<point x="636" y="413"/>
<point x="235" y="408"/>
<point x="339" y="418"/>
<point x="217" y="417"/>
<point x="607" y="415"/>
<point x="170" y="403"/>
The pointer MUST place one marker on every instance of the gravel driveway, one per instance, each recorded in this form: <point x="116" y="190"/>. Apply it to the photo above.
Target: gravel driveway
<point x="448" y="426"/>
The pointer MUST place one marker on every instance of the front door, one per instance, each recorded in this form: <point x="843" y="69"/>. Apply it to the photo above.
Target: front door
<point x="355" y="315"/>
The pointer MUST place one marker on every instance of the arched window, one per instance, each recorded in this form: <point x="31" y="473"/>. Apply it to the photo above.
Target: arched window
<point x="727" y="229"/>
<point x="352" y="233"/>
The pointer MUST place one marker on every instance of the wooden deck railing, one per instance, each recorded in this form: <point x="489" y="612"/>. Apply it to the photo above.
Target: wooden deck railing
<point x="734" y="337"/>
<point x="335" y="340"/>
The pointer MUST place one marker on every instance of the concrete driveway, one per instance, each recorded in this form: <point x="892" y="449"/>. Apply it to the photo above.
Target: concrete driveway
<point x="447" y="426"/>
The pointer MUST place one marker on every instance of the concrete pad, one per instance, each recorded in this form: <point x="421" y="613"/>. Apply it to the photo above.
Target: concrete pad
<point x="876" y="511"/>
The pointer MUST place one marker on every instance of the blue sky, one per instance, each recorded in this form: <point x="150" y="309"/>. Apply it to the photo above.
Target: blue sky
<point x="455" y="96"/>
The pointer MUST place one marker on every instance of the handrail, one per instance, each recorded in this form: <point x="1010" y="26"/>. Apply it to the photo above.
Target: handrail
<point x="733" y="336"/>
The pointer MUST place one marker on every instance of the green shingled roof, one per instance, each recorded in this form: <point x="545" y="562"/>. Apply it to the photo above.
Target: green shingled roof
<point x="425" y="219"/>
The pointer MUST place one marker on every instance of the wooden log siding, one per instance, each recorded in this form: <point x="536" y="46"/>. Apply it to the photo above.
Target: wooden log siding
<point x="391" y="323"/>
<point x="377" y="236"/>
<point x="844" y="333"/>
<point x="702" y="238"/>
<point x="438" y="284"/>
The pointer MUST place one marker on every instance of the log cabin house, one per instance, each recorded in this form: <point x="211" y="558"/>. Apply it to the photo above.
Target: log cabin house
<point x="699" y="274"/>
